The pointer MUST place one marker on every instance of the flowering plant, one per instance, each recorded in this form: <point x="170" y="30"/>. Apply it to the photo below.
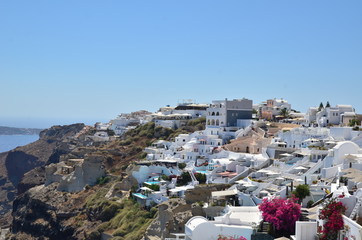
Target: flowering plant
<point x="332" y="214"/>
<point x="282" y="213"/>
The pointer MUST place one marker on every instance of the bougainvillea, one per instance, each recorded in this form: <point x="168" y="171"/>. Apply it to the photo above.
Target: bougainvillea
<point x="332" y="214"/>
<point x="282" y="213"/>
<point x="221" y="237"/>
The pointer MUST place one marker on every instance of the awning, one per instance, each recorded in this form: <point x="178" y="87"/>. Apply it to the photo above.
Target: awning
<point x="146" y="189"/>
<point x="224" y="193"/>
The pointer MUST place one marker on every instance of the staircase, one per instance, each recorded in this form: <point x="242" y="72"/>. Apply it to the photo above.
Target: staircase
<point x="265" y="164"/>
<point x="243" y="132"/>
<point x="193" y="178"/>
<point x="313" y="169"/>
<point x="240" y="175"/>
<point x="356" y="208"/>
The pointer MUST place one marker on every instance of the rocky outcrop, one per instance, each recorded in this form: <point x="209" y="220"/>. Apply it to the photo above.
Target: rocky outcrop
<point x="31" y="179"/>
<point x="46" y="211"/>
<point x="74" y="174"/>
<point x="172" y="217"/>
<point x="17" y="166"/>
<point x="174" y="214"/>
<point x="202" y="193"/>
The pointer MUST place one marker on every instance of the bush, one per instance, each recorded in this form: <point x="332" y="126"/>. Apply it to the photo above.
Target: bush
<point x="154" y="187"/>
<point x="103" y="180"/>
<point x="181" y="165"/>
<point x="130" y="222"/>
<point x="282" y="213"/>
<point x="99" y="208"/>
<point x="200" y="177"/>
<point x="310" y="203"/>
<point x="109" y="210"/>
<point x="301" y="191"/>
<point x="165" y="177"/>
<point x="333" y="221"/>
<point x="153" y="212"/>
<point x="183" y="179"/>
<point x="95" y="235"/>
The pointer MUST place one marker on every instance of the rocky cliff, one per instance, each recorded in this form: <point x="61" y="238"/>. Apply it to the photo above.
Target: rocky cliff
<point x="174" y="214"/>
<point x="16" y="164"/>
<point x="101" y="211"/>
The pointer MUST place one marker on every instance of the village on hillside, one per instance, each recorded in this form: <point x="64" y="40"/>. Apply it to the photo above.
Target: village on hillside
<point x="294" y="172"/>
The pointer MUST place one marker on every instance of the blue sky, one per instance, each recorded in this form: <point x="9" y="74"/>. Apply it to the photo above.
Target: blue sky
<point x="75" y="61"/>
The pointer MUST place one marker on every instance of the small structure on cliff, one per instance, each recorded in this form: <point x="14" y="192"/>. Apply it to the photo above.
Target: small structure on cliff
<point x="74" y="174"/>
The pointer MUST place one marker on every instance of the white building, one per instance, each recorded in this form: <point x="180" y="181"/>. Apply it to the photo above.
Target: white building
<point x="237" y="222"/>
<point x="330" y="115"/>
<point x="273" y="107"/>
<point x="295" y="137"/>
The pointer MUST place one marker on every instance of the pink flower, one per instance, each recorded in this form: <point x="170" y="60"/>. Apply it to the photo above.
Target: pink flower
<point x="282" y="213"/>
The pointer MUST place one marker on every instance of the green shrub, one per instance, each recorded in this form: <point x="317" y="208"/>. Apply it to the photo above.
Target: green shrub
<point x="154" y="187"/>
<point x="200" y="177"/>
<point x="181" y="165"/>
<point x="130" y="222"/>
<point x="103" y="180"/>
<point x="95" y="235"/>
<point x="310" y="203"/>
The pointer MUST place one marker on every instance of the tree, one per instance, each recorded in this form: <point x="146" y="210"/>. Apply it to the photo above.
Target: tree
<point x="328" y="105"/>
<point x="301" y="192"/>
<point x="353" y="122"/>
<point x="181" y="165"/>
<point x="281" y="213"/>
<point x="320" y="106"/>
<point x="284" y="112"/>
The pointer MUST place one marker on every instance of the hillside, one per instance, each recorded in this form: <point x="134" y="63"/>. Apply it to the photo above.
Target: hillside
<point x="16" y="163"/>
<point x="19" y="131"/>
<point x="103" y="209"/>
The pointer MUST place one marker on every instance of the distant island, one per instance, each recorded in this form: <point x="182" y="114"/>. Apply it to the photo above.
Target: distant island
<point x="19" y="131"/>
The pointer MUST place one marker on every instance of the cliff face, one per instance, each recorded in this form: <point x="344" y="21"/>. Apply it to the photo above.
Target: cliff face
<point x="14" y="164"/>
<point x="48" y="203"/>
<point x="43" y="212"/>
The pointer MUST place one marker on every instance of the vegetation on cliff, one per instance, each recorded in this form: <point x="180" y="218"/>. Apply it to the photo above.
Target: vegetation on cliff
<point x="91" y="213"/>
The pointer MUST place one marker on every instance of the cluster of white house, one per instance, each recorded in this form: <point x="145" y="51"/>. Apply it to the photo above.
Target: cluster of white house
<point x="238" y="149"/>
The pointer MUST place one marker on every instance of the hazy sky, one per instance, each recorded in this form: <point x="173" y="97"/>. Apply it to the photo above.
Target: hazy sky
<point x="74" y="61"/>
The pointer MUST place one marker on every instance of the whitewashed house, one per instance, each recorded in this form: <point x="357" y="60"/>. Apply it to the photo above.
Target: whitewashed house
<point x="237" y="222"/>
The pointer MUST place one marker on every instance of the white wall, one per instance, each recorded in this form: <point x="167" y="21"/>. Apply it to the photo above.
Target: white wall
<point x="305" y="230"/>
<point x="209" y="231"/>
<point x="355" y="229"/>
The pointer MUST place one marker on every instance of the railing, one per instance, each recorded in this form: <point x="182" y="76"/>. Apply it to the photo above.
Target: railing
<point x="355" y="209"/>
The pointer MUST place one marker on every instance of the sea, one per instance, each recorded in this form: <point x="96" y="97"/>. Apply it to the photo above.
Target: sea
<point x="9" y="142"/>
